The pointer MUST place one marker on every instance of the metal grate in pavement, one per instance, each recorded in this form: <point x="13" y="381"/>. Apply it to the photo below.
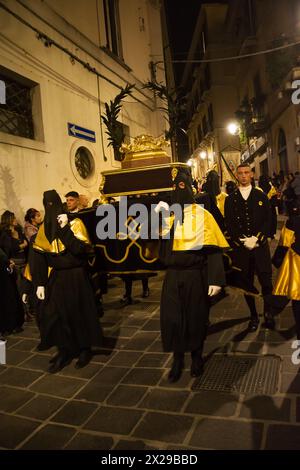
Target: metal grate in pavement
<point x="240" y="374"/>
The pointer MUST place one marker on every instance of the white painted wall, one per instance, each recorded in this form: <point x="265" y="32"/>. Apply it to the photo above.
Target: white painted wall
<point x="70" y="93"/>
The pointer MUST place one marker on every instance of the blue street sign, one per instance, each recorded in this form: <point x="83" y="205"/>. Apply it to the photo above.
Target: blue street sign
<point x="81" y="133"/>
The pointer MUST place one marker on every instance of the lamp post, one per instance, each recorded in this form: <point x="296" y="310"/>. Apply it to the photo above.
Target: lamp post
<point x="234" y="129"/>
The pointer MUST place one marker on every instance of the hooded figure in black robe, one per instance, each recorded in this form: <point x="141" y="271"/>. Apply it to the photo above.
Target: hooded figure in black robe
<point x="192" y="256"/>
<point x="271" y="193"/>
<point x="68" y="314"/>
<point x="11" y="310"/>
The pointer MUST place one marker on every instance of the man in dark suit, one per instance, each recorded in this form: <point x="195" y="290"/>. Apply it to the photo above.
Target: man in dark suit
<point x="248" y="225"/>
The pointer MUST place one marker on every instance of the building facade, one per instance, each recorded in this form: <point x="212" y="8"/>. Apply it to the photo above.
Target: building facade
<point x="270" y="121"/>
<point x="212" y="92"/>
<point x="253" y="90"/>
<point x="60" y="61"/>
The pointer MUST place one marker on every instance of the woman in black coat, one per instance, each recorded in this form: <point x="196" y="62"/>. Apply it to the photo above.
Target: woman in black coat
<point x="11" y="312"/>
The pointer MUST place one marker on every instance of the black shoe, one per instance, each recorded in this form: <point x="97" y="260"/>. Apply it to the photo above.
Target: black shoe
<point x="269" y="321"/>
<point x="53" y="359"/>
<point x="253" y="324"/>
<point x="61" y="361"/>
<point x="146" y="293"/>
<point x="42" y="347"/>
<point x="176" y="370"/>
<point x="84" y="358"/>
<point x="126" y="301"/>
<point x="197" y="367"/>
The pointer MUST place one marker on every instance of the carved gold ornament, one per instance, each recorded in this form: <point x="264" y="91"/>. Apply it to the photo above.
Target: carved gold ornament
<point x="174" y="173"/>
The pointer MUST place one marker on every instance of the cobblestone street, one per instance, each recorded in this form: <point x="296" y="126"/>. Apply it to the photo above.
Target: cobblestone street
<point x="122" y="399"/>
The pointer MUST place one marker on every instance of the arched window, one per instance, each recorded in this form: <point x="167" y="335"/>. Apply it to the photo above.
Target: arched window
<point x="282" y="152"/>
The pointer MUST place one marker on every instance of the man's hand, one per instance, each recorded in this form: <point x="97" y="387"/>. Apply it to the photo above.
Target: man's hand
<point x="213" y="290"/>
<point x="24" y="298"/>
<point x="40" y="293"/>
<point x="11" y="266"/>
<point x="250" y="242"/>
<point x="62" y="219"/>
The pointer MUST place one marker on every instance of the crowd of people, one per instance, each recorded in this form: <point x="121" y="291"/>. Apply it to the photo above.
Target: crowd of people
<point x="46" y="271"/>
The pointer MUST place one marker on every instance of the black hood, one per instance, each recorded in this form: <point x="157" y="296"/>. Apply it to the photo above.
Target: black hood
<point x="183" y="191"/>
<point x="212" y="185"/>
<point x="264" y="184"/>
<point x="53" y="207"/>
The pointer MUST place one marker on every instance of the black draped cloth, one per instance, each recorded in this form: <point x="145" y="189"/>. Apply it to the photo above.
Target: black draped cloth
<point x="68" y="315"/>
<point x="184" y="307"/>
<point x="11" y="311"/>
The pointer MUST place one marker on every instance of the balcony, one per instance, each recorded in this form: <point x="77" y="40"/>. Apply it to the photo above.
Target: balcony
<point x="257" y="126"/>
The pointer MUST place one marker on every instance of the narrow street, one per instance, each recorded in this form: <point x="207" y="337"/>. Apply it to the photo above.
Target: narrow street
<point x="122" y="399"/>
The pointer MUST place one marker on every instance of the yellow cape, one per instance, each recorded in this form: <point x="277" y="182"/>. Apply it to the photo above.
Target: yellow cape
<point x="199" y="229"/>
<point x="288" y="278"/>
<point x="41" y="243"/>
<point x="220" y="199"/>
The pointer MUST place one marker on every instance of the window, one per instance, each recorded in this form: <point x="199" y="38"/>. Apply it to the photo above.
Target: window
<point x="257" y="85"/>
<point x="252" y="17"/>
<point x="84" y="162"/>
<point x="112" y="27"/>
<point x="264" y="167"/>
<point x="204" y="126"/>
<point x="199" y="131"/>
<point x="282" y="152"/>
<point x="210" y="117"/>
<point x="207" y="78"/>
<point x="16" y="112"/>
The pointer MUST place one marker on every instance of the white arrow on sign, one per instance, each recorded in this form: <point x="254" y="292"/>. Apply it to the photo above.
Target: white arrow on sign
<point x="73" y="130"/>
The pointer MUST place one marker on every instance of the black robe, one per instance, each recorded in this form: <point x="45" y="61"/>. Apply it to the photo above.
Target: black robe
<point x="11" y="311"/>
<point x="184" y="307"/>
<point x="68" y="315"/>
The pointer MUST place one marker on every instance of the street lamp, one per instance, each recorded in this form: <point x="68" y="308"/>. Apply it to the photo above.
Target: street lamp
<point x="233" y="128"/>
<point x="203" y="154"/>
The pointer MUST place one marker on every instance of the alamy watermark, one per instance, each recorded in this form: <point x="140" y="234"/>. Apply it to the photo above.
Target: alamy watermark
<point x="138" y="221"/>
<point x="2" y="351"/>
<point x="296" y="94"/>
<point x="296" y="354"/>
<point x="2" y="92"/>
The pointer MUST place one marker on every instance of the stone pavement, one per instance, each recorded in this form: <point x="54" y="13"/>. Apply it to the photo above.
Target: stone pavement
<point x="122" y="399"/>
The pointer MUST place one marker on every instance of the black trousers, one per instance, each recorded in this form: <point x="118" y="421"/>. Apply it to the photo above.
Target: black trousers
<point x="258" y="262"/>
<point x="128" y="285"/>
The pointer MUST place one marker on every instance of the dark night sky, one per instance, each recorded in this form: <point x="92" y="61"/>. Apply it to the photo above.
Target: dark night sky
<point x="181" y="18"/>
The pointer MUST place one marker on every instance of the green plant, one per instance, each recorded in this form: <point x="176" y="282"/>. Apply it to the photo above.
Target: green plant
<point x="110" y="118"/>
<point x="280" y="62"/>
<point x="174" y="107"/>
<point x="243" y="116"/>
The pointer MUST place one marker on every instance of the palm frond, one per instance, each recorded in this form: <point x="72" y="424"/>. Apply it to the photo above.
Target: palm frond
<point x="110" y="118"/>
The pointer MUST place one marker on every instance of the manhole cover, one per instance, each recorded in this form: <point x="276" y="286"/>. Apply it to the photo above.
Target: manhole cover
<point x="240" y="374"/>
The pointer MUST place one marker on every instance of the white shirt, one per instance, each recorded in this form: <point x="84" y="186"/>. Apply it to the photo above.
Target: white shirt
<point x="245" y="191"/>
